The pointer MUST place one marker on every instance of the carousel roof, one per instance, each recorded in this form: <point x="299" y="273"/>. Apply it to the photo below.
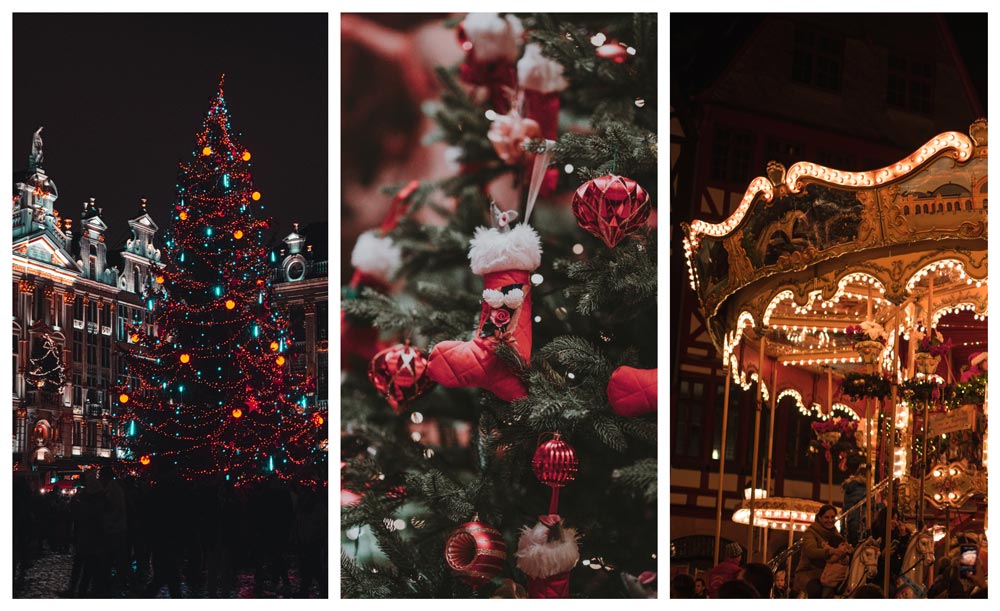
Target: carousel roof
<point x="811" y="251"/>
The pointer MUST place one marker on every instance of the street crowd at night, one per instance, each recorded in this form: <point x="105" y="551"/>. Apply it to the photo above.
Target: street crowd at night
<point x="119" y="538"/>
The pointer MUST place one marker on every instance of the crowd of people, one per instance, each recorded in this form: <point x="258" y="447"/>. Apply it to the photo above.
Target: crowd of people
<point x="132" y="539"/>
<point x="822" y="570"/>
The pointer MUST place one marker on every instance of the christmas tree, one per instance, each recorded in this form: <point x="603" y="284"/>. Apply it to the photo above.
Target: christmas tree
<point x="208" y="390"/>
<point x="502" y="440"/>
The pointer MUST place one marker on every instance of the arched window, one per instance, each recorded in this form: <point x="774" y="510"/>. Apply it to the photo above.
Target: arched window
<point x="968" y="204"/>
<point x="906" y="210"/>
<point x="949" y="206"/>
<point x="925" y="209"/>
<point x="916" y="209"/>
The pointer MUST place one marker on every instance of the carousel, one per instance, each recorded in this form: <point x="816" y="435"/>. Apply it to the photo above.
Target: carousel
<point x="862" y="298"/>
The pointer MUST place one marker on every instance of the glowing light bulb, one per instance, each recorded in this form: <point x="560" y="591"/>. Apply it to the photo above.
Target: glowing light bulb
<point x="123" y="398"/>
<point x="159" y="279"/>
<point x="238" y="234"/>
<point x="183" y="216"/>
<point x="185" y="358"/>
<point x="230" y="304"/>
<point x="255" y="196"/>
<point x="145" y="459"/>
<point x="280" y="360"/>
<point x="206" y="151"/>
<point x="246" y="155"/>
<point x="237" y="413"/>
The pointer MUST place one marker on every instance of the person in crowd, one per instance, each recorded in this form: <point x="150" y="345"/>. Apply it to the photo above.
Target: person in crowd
<point x="900" y="538"/>
<point x="116" y="558"/>
<point x="867" y="590"/>
<point x="272" y="513"/>
<point x="737" y="588"/>
<point x="168" y="530"/>
<point x="854" y="495"/>
<point x="682" y="586"/>
<point x="780" y="589"/>
<point x="700" y="589"/>
<point x="221" y="534"/>
<point x="727" y="570"/>
<point x="820" y="543"/>
<point x="310" y="540"/>
<point x="88" y="536"/>
<point x="760" y="576"/>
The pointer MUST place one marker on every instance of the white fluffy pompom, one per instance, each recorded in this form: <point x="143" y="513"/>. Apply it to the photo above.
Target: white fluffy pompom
<point x="540" y="558"/>
<point x="539" y="73"/>
<point x="493" y="297"/>
<point x="513" y="298"/>
<point x="493" y="37"/>
<point x="494" y="251"/>
<point x="376" y="256"/>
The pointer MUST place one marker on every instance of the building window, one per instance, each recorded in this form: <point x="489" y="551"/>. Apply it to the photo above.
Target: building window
<point x="689" y="419"/>
<point x="77" y="432"/>
<point x="785" y="153"/>
<point x="906" y="210"/>
<point x="731" y="155"/>
<point x="817" y="59"/>
<point x="910" y="84"/>
<point x="18" y="433"/>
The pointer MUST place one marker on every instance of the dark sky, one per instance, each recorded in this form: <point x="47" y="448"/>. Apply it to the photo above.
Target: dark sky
<point x="122" y="96"/>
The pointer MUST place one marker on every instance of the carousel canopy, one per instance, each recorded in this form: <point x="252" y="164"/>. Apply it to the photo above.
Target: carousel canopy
<point x="814" y="253"/>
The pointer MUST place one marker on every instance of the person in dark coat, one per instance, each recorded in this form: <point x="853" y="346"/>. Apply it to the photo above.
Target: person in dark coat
<point x="900" y="539"/>
<point x="88" y="536"/>
<point x="855" y="488"/>
<point x="820" y="542"/>
<point x="727" y="570"/>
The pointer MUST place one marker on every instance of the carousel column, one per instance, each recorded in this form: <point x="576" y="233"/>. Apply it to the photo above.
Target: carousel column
<point x="890" y="490"/>
<point x="758" y="406"/>
<point x="770" y="446"/>
<point x="722" y="464"/>
<point x="927" y="403"/>
<point x="829" y="403"/>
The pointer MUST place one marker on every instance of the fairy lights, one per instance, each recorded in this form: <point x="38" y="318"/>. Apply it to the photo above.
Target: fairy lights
<point x="227" y="409"/>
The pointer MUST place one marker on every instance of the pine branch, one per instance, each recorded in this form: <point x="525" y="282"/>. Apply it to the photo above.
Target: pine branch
<point x="640" y="477"/>
<point x="356" y="582"/>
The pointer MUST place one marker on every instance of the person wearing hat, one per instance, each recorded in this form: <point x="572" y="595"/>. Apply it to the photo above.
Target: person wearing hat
<point x="727" y="570"/>
<point x="820" y="543"/>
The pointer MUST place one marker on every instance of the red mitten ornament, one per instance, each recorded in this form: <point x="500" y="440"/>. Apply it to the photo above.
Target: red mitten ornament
<point x="611" y="207"/>
<point x="399" y="374"/>
<point x="632" y="392"/>
<point x="504" y="259"/>
<point x="546" y="553"/>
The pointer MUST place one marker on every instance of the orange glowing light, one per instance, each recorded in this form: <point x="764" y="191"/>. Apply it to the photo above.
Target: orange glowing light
<point x="238" y="234"/>
<point x="256" y="196"/>
<point x="280" y="360"/>
<point x="123" y="398"/>
<point x="206" y="151"/>
<point x="144" y="460"/>
<point x="159" y="279"/>
<point x="185" y="357"/>
<point x="183" y="216"/>
<point x="135" y="337"/>
<point x="246" y="155"/>
<point x="237" y="413"/>
<point x="274" y="346"/>
<point x="318" y="420"/>
<point x="230" y="304"/>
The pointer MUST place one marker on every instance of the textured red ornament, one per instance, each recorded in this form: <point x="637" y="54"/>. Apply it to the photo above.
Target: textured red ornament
<point x="632" y="392"/>
<point x="614" y="51"/>
<point x="611" y="207"/>
<point x="555" y="465"/>
<point x="399" y="374"/>
<point x="475" y="553"/>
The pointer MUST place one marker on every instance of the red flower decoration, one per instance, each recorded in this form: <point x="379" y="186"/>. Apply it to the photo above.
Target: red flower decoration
<point x="499" y="317"/>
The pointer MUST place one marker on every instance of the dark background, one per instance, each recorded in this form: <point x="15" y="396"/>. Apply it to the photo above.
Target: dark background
<point x="121" y="97"/>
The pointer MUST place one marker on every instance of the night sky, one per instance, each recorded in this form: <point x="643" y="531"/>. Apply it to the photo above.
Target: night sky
<point x="122" y="96"/>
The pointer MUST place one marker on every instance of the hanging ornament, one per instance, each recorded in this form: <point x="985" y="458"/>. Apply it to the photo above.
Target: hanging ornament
<point x="632" y="392"/>
<point x="541" y="80"/>
<point x="491" y="44"/>
<point x="206" y="151"/>
<point x="399" y="373"/>
<point x="230" y="304"/>
<point x="509" y="132"/>
<point x="144" y="460"/>
<point x="185" y="358"/>
<point x="123" y="398"/>
<point x="238" y="234"/>
<point x="546" y="553"/>
<point x="475" y="552"/>
<point x="615" y="51"/>
<point x="237" y="413"/>
<point x="255" y="196"/>
<point x="555" y="465"/>
<point x="611" y="207"/>
<point x="246" y="155"/>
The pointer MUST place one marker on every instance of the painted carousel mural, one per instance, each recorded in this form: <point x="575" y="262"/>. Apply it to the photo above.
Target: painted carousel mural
<point x="863" y="296"/>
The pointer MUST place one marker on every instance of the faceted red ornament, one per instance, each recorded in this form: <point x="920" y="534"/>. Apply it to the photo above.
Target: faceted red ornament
<point x="611" y="207"/>
<point x="475" y="552"/>
<point x="399" y="374"/>
<point x="555" y="465"/>
<point x="614" y="51"/>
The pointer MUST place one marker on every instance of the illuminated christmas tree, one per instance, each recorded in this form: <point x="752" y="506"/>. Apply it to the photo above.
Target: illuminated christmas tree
<point x="208" y="388"/>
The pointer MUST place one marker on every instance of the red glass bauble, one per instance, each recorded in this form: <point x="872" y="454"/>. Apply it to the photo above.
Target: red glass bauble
<point x="399" y="374"/>
<point x="555" y="463"/>
<point x="475" y="553"/>
<point x="611" y="207"/>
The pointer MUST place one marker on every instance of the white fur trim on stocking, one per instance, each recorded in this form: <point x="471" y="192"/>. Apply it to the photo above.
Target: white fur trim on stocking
<point x="493" y="37"/>
<point x="539" y="73"/>
<point x="494" y="251"/>
<point x="376" y="256"/>
<point x="540" y="558"/>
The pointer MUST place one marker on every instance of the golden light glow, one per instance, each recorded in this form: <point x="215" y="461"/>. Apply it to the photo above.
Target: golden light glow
<point x="256" y="196"/>
<point x="185" y="358"/>
<point x="183" y="215"/>
<point x="318" y="420"/>
<point x="230" y="304"/>
<point x="144" y="460"/>
<point x="159" y="279"/>
<point x="123" y="398"/>
<point x="237" y="413"/>
<point x="280" y="360"/>
<point x="246" y="155"/>
<point x="238" y="234"/>
<point x="134" y="338"/>
<point x="206" y="151"/>
<point x="274" y="346"/>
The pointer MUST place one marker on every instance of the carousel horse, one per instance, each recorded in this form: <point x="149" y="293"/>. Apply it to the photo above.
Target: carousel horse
<point x="864" y="563"/>
<point x="919" y="557"/>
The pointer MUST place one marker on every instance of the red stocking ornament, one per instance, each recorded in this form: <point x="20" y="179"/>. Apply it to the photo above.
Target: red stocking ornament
<point x="546" y="553"/>
<point x="491" y="44"/>
<point x="632" y="392"/>
<point x="505" y="259"/>
<point x="542" y="80"/>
